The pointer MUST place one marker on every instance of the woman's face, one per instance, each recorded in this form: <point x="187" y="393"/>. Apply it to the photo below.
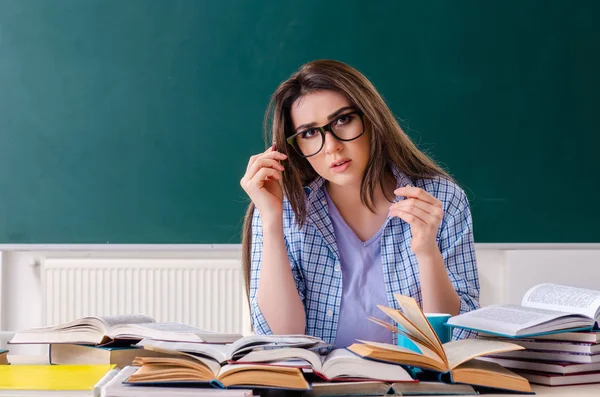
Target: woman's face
<point x="340" y="163"/>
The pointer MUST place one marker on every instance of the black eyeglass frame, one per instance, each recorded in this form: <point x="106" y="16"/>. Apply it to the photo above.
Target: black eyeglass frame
<point x="326" y="128"/>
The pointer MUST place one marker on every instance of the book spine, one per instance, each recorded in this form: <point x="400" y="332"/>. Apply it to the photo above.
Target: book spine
<point x="97" y="391"/>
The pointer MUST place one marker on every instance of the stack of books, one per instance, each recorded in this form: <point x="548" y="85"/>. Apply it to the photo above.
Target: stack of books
<point x="111" y="339"/>
<point x="557" y="327"/>
<point x="364" y="368"/>
<point x="452" y="362"/>
<point x="154" y="357"/>
<point x="289" y="362"/>
<point x="569" y="358"/>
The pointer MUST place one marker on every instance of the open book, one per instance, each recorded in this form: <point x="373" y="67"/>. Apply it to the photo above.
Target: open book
<point x="116" y="388"/>
<point x="182" y="370"/>
<point x="294" y="351"/>
<point x="102" y="330"/>
<point x="545" y="308"/>
<point x="221" y="354"/>
<point x="455" y="358"/>
<point x="339" y="364"/>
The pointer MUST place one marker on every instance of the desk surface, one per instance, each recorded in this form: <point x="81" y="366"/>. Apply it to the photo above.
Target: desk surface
<point x="566" y="391"/>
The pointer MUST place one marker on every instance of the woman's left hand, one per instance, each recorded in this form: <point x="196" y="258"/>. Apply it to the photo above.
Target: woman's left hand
<point x="423" y="213"/>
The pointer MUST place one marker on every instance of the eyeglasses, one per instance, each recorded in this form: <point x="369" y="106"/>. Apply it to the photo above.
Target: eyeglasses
<point x="346" y="127"/>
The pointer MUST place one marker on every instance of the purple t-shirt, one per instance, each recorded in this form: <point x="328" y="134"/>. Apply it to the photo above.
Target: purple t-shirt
<point x="362" y="284"/>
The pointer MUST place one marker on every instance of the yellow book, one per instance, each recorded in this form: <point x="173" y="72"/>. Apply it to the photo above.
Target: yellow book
<point x="52" y="377"/>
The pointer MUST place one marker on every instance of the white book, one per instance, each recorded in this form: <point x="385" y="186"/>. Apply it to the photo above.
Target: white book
<point x="228" y="352"/>
<point x="545" y="308"/>
<point x="337" y="365"/>
<point x="101" y="330"/>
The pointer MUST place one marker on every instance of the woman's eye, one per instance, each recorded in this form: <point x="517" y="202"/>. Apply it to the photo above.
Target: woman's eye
<point x="309" y="134"/>
<point x="345" y="119"/>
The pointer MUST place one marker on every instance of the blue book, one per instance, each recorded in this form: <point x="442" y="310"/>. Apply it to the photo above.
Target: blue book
<point x="544" y="310"/>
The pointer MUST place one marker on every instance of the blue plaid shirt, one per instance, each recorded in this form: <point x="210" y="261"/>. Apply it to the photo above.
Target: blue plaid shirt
<point x="314" y="257"/>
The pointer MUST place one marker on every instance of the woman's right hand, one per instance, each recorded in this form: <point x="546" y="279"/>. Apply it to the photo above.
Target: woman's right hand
<point x="262" y="182"/>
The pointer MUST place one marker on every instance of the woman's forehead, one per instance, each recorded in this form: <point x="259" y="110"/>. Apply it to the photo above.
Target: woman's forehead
<point x="316" y="106"/>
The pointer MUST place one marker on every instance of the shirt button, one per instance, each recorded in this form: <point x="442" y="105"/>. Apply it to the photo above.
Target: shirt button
<point x="337" y="268"/>
<point x="329" y="313"/>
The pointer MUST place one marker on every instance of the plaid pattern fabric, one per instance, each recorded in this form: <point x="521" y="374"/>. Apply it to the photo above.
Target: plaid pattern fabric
<point x="313" y="256"/>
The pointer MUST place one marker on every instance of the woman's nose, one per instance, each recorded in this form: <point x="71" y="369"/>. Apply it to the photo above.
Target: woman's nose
<point x="332" y="145"/>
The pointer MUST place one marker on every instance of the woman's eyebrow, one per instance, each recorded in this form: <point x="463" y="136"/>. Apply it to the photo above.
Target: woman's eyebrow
<point x="331" y="116"/>
<point x="340" y="110"/>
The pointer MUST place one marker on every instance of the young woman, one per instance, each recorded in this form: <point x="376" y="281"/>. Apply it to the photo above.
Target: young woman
<point x="345" y="212"/>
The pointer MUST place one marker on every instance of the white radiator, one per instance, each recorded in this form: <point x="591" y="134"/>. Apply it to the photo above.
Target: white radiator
<point x="206" y="293"/>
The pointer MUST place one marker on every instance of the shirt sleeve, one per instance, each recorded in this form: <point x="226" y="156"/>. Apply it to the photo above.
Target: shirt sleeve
<point x="458" y="251"/>
<point x="259" y="324"/>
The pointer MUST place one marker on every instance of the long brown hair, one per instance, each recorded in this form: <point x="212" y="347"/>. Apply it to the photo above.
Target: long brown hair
<point x="390" y="146"/>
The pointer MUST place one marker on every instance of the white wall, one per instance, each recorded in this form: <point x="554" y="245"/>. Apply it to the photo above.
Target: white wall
<point x="505" y="271"/>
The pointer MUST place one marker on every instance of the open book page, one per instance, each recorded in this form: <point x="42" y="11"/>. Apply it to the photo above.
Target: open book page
<point x="490" y="374"/>
<point x="116" y="387"/>
<point x="408" y="330"/>
<point x="232" y="368"/>
<point x="460" y="351"/>
<point x="163" y="368"/>
<point x="255" y="343"/>
<point x="219" y="353"/>
<point x="341" y="363"/>
<point x="505" y="319"/>
<point x="267" y="342"/>
<point x="288" y="353"/>
<point x="413" y="312"/>
<point x="395" y="354"/>
<point x="160" y="327"/>
<point x="425" y="349"/>
<point x="90" y="329"/>
<point x="263" y="376"/>
<point x="169" y="331"/>
<point x="110" y="321"/>
<point x="564" y="298"/>
<point x="211" y="364"/>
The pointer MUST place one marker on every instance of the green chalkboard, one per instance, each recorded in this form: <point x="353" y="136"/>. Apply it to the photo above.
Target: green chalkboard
<point x="132" y="121"/>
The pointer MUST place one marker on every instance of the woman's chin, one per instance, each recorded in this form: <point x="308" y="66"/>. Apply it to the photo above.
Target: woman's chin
<point x="344" y="180"/>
